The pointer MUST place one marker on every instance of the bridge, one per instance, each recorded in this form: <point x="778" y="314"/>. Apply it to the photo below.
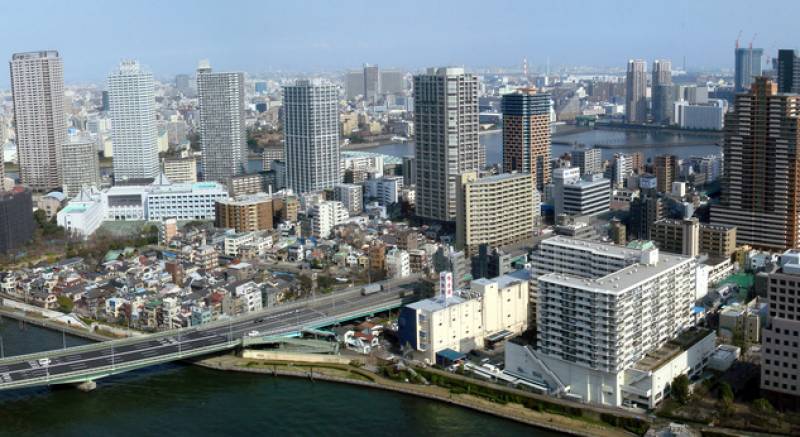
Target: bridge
<point x="90" y="362"/>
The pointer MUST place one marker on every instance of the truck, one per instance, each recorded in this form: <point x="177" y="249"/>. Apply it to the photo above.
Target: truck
<point x="370" y="289"/>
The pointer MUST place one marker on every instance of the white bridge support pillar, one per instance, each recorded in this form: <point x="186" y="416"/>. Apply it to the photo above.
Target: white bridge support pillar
<point x="86" y="386"/>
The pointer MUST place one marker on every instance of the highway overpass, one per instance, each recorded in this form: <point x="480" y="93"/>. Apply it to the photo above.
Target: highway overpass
<point x="94" y="361"/>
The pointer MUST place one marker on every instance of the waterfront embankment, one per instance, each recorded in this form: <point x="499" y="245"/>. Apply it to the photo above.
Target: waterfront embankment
<point x="359" y="376"/>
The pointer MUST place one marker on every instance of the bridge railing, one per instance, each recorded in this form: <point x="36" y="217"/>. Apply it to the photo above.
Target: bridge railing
<point x="181" y="331"/>
<point x="113" y="369"/>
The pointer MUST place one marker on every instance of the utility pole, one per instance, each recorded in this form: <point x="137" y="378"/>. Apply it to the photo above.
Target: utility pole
<point x="2" y="350"/>
<point x="63" y="338"/>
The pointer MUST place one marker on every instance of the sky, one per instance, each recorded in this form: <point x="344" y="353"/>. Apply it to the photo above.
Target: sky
<point x="169" y="37"/>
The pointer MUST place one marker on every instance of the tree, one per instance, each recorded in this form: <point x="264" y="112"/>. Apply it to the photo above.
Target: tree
<point x="680" y="389"/>
<point x="306" y="284"/>
<point x="726" y="396"/>
<point x="763" y="406"/>
<point x="65" y="304"/>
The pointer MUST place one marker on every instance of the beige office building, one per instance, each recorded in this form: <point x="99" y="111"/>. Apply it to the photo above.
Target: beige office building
<point x="180" y="169"/>
<point x="497" y="210"/>
<point x="690" y="237"/>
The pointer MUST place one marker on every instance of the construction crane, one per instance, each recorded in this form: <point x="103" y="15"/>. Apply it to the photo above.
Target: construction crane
<point x="737" y="39"/>
<point x="753" y="39"/>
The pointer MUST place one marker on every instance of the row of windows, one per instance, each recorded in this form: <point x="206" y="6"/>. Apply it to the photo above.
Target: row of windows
<point x="778" y="363"/>
<point x="768" y="383"/>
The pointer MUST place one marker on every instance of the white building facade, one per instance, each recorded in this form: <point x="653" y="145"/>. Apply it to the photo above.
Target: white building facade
<point x="133" y="122"/>
<point x="326" y="216"/>
<point x="600" y="310"/>
<point x="311" y="131"/>
<point x="461" y="323"/>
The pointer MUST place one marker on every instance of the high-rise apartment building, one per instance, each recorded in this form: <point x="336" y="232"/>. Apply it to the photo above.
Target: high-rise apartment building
<point x="80" y="164"/>
<point x="498" y="210"/>
<point x="447" y="144"/>
<point x="222" y="123"/>
<point x="636" y="92"/>
<point x="644" y="211"/>
<point x="245" y="213"/>
<point x="762" y="168"/>
<point x="780" y="353"/>
<point x="788" y="71"/>
<point x="351" y="196"/>
<point x="311" y="130"/>
<point x="662" y="91"/>
<point x="326" y="216"/>
<point x="526" y="134"/>
<point x="630" y="302"/>
<point x="37" y="85"/>
<point x="666" y="170"/>
<point x="133" y="122"/>
<point x="748" y="67"/>
<point x="588" y="160"/>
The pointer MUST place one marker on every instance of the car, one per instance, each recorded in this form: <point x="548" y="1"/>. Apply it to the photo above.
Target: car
<point x="253" y="334"/>
<point x="44" y="361"/>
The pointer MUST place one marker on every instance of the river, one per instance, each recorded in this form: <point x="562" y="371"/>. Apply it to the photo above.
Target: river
<point x="683" y="145"/>
<point x="177" y="399"/>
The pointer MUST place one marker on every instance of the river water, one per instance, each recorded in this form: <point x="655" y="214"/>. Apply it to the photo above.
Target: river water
<point x="178" y="399"/>
<point x="683" y="145"/>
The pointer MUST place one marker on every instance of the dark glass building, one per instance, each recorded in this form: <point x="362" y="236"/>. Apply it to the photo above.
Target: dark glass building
<point x="788" y="71"/>
<point x="16" y="218"/>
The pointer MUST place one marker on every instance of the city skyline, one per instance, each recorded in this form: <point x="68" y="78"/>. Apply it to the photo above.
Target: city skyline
<point x="240" y="41"/>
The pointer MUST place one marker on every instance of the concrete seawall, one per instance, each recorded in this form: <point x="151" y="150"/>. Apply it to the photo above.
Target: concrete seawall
<point x="52" y="325"/>
<point x="407" y="390"/>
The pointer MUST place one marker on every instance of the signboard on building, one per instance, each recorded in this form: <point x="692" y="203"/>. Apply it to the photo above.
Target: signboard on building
<point x="446" y="284"/>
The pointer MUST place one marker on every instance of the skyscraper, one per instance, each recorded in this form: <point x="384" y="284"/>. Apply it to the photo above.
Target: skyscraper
<point x="354" y="84"/>
<point x="788" y="71"/>
<point x="526" y="134"/>
<point x="446" y="124"/>
<point x="392" y="82"/>
<point x="311" y="130"/>
<point x="762" y="168"/>
<point x="133" y="122"/>
<point x="37" y="84"/>
<point x="748" y="66"/>
<point x="222" y="124"/>
<point x="662" y="91"/>
<point x="636" y="92"/>
<point x="372" y="83"/>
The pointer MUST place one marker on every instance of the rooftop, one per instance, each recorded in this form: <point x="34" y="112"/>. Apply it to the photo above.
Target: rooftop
<point x="621" y="280"/>
<point x="500" y="177"/>
<point x="607" y="250"/>
<point x="653" y="360"/>
<point x="436" y="303"/>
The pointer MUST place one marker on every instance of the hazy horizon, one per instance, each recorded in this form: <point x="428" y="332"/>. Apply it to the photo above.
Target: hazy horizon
<point x="93" y="36"/>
